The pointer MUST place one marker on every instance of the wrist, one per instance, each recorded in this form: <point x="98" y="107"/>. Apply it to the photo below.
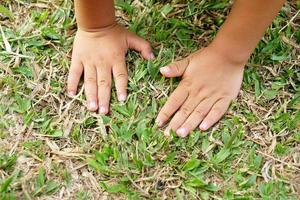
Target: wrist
<point x="103" y="28"/>
<point x="230" y="50"/>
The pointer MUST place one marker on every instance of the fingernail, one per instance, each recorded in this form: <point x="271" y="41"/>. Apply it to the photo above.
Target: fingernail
<point x="102" y="110"/>
<point x="93" y="105"/>
<point x="204" y="126"/>
<point x="165" y="70"/>
<point x="158" y="122"/>
<point x="182" y="132"/>
<point x="167" y="132"/>
<point x="152" y="57"/>
<point x="72" y="93"/>
<point x="122" y="97"/>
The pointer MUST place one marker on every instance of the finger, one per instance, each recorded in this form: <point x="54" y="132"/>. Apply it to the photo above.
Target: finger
<point x="174" y="102"/>
<point x="139" y="44"/>
<point x="90" y="87"/>
<point x="175" y="69"/>
<point x="75" y="73"/>
<point x="182" y="114"/>
<point x="121" y="80"/>
<point x="215" y="114"/>
<point x="104" y="87"/>
<point x="195" y="118"/>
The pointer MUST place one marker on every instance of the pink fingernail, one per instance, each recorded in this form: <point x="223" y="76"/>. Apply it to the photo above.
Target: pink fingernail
<point x="182" y="132"/>
<point x="72" y="93"/>
<point x="152" y="57"/>
<point x="93" y="105"/>
<point x="165" y="70"/>
<point x="167" y="132"/>
<point x="158" y="122"/>
<point x="102" y="110"/>
<point x="122" y="97"/>
<point x="204" y="126"/>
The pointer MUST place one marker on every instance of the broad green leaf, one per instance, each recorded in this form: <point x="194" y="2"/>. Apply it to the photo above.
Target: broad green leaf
<point x="191" y="164"/>
<point x="6" y="183"/>
<point x="4" y="11"/>
<point x="41" y="179"/>
<point x="195" y="182"/>
<point x="249" y="182"/>
<point x="166" y="9"/>
<point x="221" y="155"/>
<point x="232" y="138"/>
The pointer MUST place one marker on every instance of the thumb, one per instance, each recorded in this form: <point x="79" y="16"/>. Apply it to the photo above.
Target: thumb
<point x="139" y="44"/>
<point x="175" y="69"/>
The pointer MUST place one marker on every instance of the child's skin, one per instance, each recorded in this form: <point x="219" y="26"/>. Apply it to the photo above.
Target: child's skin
<point x="211" y="77"/>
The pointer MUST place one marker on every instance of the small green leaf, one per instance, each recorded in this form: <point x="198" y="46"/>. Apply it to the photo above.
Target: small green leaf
<point x="195" y="182"/>
<point x="41" y="178"/>
<point x="221" y="155"/>
<point x="191" y="164"/>
<point x="166" y="9"/>
<point x="51" y="187"/>
<point x="101" y="158"/>
<point x="232" y="138"/>
<point x="116" y="188"/>
<point x="249" y="182"/>
<point x="170" y="157"/>
<point x="23" y="104"/>
<point x="5" y="185"/>
<point x="278" y="58"/>
<point x="57" y="133"/>
<point x="4" y="11"/>
<point x="270" y="94"/>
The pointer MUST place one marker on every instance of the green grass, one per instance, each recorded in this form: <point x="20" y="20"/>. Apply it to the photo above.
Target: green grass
<point x="50" y="145"/>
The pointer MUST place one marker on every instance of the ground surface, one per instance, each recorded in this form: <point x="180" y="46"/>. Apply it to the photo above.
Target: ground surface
<point x="51" y="147"/>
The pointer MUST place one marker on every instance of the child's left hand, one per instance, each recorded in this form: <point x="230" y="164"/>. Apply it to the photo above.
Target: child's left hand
<point x="210" y="81"/>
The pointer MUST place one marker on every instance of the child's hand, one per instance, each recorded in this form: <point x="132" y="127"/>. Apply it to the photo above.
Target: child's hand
<point x="210" y="80"/>
<point x="100" y="54"/>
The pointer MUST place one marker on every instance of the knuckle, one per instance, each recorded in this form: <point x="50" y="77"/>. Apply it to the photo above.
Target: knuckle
<point x="165" y="114"/>
<point x="75" y="70"/>
<point x="147" y="45"/>
<point x="87" y="60"/>
<point x="194" y="93"/>
<point x="186" y="83"/>
<point x="174" y="101"/>
<point x="217" y="111"/>
<point x="224" y="95"/>
<point x="100" y="62"/>
<point x="185" y="111"/>
<point x="103" y="83"/>
<point x="90" y="79"/>
<point x="121" y="76"/>
<point x="118" y="54"/>
<point x="200" y="112"/>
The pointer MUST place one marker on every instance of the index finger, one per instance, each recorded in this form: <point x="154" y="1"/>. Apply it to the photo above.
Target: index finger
<point x="174" y="102"/>
<point x="121" y="80"/>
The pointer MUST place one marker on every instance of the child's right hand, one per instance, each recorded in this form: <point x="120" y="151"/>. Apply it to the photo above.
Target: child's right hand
<point x="99" y="54"/>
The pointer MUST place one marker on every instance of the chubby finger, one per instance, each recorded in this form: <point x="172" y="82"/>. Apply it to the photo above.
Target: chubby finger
<point x="195" y="118"/>
<point x="182" y="114"/>
<point x="175" y="69"/>
<point x="104" y="87"/>
<point x="121" y="80"/>
<point x="75" y="73"/>
<point x="90" y="87"/>
<point x="215" y="114"/>
<point x="141" y="45"/>
<point x="176" y="99"/>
